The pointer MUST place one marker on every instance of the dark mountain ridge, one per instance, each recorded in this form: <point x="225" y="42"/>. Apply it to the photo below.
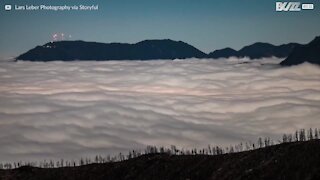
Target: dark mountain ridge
<point x="145" y="50"/>
<point x="256" y="51"/>
<point x="80" y="50"/>
<point x="295" y="161"/>
<point x="223" y="53"/>
<point x="304" y="53"/>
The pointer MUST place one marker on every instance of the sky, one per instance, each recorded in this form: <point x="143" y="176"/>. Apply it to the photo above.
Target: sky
<point x="205" y="24"/>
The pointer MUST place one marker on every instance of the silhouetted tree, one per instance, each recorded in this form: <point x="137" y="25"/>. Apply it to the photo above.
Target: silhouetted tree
<point x="231" y="149"/>
<point x="81" y="162"/>
<point x="302" y="135"/>
<point x="296" y="136"/>
<point x="173" y="149"/>
<point x="310" y="134"/>
<point x="284" y="138"/>
<point x="316" y="134"/>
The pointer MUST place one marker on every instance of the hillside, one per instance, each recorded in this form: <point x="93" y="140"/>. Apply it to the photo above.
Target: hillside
<point x="256" y="51"/>
<point x="80" y="50"/>
<point x="293" y="161"/>
<point x="304" y="53"/>
<point x="146" y="50"/>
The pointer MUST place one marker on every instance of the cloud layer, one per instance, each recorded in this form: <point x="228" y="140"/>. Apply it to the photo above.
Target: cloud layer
<point x="73" y="109"/>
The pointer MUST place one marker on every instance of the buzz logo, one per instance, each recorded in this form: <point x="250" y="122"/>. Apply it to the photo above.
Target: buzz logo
<point x="293" y="6"/>
<point x="288" y="6"/>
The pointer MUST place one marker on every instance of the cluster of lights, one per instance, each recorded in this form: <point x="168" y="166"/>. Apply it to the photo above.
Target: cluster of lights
<point x="60" y="37"/>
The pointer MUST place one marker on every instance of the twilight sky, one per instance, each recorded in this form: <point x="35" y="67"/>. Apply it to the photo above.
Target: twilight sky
<point x="206" y="24"/>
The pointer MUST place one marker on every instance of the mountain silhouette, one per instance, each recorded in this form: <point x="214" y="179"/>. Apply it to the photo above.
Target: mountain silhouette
<point x="223" y="53"/>
<point x="304" y="53"/>
<point x="256" y="51"/>
<point x="146" y="50"/>
<point x="80" y="50"/>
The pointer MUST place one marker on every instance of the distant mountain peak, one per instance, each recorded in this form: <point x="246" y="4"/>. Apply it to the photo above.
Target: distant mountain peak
<point x="255" y="51"/>
<point x="223" y="53"/>
<point x="259" y="44"/>
<point x="304" y="53"/>
<point x="316" y="40"/>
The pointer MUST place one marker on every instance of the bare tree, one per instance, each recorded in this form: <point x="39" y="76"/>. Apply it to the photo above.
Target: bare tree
<point x="316" y="133"/>
<point x="310" y="134"/>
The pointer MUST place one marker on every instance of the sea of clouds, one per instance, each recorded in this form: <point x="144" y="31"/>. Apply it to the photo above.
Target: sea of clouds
<point x="53" y="110"/>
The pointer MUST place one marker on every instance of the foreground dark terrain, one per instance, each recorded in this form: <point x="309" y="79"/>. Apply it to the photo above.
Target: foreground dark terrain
<point x="288" y="161"/>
